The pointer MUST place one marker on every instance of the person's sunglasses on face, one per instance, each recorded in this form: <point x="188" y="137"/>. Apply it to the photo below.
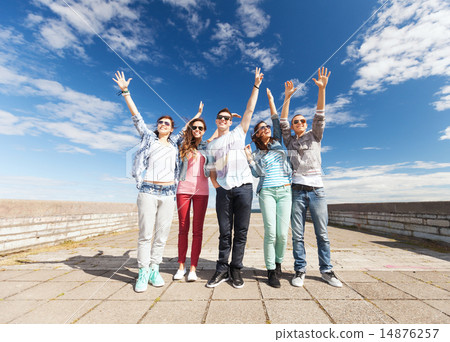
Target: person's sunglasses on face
<point x="225" y="117"/>
<point x="161" y="122"/>
<point x="303" y="121"/>
<point x="200" y="128"/>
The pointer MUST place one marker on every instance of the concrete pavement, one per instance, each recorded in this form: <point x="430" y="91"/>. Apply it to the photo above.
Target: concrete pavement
<point x="385" y="281"/>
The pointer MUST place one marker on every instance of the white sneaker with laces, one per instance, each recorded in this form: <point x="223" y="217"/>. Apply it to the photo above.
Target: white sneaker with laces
<point x="331" y="279"/>
<point x="180" y="274"/>
<point x="192" y="276"/>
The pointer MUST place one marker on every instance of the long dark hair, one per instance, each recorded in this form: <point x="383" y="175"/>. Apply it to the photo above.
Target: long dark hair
<point x="164" y="117"/>
<point x="190" y="144"/>
<point x="258" y="141"/>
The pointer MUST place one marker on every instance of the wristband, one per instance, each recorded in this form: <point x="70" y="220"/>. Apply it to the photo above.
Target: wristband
<point x="256" y="87"/>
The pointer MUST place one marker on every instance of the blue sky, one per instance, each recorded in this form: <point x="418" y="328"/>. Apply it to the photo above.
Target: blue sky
<point x="64" y="134"/>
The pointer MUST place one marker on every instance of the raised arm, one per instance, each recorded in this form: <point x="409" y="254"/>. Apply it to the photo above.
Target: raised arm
<point x="123" y="85"/>
<point x="247" y="118"/>
<point x="318" y="125"/>
<point x="199" y="113"/>
<point x="322" y="82"/>
<point x="276" y="129"/>
<point x="289" y="90"/>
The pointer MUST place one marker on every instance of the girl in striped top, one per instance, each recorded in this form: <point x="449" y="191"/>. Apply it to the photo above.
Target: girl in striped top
<point x="271" y="165"/>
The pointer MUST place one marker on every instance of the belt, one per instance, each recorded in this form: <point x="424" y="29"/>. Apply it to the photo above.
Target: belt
<point x="306" y="188"/>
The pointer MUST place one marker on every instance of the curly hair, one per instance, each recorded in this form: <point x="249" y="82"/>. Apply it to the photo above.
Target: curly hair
<point x="258" y="141"/>
<point x="190" y="144"/>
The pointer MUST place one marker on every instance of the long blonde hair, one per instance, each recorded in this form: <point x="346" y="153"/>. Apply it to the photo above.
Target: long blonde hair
<point x="190" y="144"/>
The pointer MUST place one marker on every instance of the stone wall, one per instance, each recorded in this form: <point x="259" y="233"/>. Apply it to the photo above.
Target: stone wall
<point x="426" y="220"/>
<point x="27" y="223"/>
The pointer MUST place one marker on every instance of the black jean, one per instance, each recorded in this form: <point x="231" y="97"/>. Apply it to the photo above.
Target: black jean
<point x="233" y="208"/>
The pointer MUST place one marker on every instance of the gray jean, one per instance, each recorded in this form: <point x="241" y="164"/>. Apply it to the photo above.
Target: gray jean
<point x="155" y="218"/>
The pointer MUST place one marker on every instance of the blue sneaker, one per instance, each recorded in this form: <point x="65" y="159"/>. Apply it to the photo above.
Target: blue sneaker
<point x="142" y="280"/>
<point x="155" y="278"/>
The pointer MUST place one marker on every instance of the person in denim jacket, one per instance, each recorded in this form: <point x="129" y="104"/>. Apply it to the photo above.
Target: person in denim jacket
<point x="307" y="186"/>
<point x="158" y="157"/>
<point x="270" y="163"/>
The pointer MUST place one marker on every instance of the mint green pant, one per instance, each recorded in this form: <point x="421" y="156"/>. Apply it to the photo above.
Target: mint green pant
<point x="275" y="204"/>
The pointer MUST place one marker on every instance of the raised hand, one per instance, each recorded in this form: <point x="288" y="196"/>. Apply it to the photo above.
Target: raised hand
<point x="322" y="80"/>
<point x="121" y="82"/>
<point x="269" y="94"/>
<point x="235" y="115"/>
<point x="258" y="77"/>
<point x="289" y="89"/>
<point x="200" y="107"/>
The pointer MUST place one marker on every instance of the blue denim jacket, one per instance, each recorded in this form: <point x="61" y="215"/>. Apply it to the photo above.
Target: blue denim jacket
<point x="147" y="138"/>
<point x="184" y="162"/>
<point x="258" y="165"/>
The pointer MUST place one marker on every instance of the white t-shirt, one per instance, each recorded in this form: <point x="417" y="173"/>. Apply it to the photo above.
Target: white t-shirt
<point x="161" y="163"/>
<point x="229" y="159"/>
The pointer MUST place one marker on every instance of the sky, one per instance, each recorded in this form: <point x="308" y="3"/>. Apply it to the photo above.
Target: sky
<point x="65" y="135"/>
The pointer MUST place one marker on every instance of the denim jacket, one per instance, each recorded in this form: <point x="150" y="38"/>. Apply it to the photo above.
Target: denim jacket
<point x="304" y="151"/>
<point x="258" y="165"/>
<point x="147" y="138"/>
<point x="184" y="162"/>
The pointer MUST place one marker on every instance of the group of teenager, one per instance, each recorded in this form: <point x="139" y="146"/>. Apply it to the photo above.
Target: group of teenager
<point x="174" y="169"/>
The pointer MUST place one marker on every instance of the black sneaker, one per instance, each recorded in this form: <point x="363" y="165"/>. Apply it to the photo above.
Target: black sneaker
<point x="278" y="270"/>
<point x="273" y="279"/>
<point x="217" y="278"/>
<point x="236" y="278"/>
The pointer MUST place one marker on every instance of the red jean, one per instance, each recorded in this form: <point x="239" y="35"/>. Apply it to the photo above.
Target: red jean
<point x="199" y="204"/>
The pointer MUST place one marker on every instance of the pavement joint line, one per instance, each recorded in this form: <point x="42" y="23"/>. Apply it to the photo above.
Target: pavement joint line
<point x="205" y="314"/>
<point x="371" y="308"/>
<point x="157" y="299"/>
<point x="263" y="302"/>
<point x="320" y="306"/>
<point x="87" y="300"/>
<point x="368" y="300"/>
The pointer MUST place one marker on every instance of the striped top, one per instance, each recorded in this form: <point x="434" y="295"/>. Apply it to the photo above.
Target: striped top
<point x="275" y="173"/>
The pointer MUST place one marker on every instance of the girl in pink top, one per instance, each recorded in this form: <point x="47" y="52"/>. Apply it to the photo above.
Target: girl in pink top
<point x="192" y="188"/>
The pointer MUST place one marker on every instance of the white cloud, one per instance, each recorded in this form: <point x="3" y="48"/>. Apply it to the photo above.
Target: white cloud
<point x="253" y="20"/>
<point x="446" y="135"/>
<point x="358" y="125"/>
<point x="115" y="21"/>
<point x="72" y="149"/>
<point x="385" y="183"/>
<point x="372" y="148"/>
<point x="263" y="115"/>
<point x="326" y="149"/>
<point x="267" y="57"/>
<point x="13" y="125"/>
<point x="195" y="68"/>
<point x="409" y="40"/>
<point x="444" y="102"/>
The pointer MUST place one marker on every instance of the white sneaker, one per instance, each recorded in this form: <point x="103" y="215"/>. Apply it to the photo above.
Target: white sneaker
<point x="298" y="279"/>
<point x="180" y="274"/>
<point x="331" y="279"/>
<point x="192" y="276"/>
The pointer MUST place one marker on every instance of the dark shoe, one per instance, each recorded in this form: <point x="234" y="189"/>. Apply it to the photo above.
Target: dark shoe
<point x="217" y="278"/>
<point x="273" y="280"/>
<point x="236" y="278"/>
<point x="278" y="270"/>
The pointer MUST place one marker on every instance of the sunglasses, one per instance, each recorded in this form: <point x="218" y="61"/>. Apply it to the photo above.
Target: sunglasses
<point x="220" y="117"/>
<point x="161" y="122"/>
<point x="297" y="121"/>
<point x="260" y="128"/>
<point x="200" y="128"/>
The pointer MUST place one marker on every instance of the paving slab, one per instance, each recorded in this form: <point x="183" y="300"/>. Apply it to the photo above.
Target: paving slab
<point x="355" y="277"/>
<point x="185" y="312"/>
<point x="236" y="312"/>
<point x="57" y="312"/>
<point x="82" y="276"/>
<point x="47" y="290"/>
<point x="92" y="290"/>
<point x="412" y="312"/>
<point x="286" y="291"/>
<point x="116" y="312"/>
<point x="379" y="291"/>
<point x="393" y="277"/>
<point x="41" y="275"/>
<point x="11" y="274"/>
<point x="295" y="312"/>
<point x="322" y="290"/>
<point x="227" y="291"/>
<point x="354" y="312"/>
<point x="9" y="288"/>
<point x="423" y="291"/>
<point x="441" y="305"/>
<point x="127" y="292"/>
<point x="429" y="276"/>
<point x="187" y="292"/>
<point x="10" y="309"/>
